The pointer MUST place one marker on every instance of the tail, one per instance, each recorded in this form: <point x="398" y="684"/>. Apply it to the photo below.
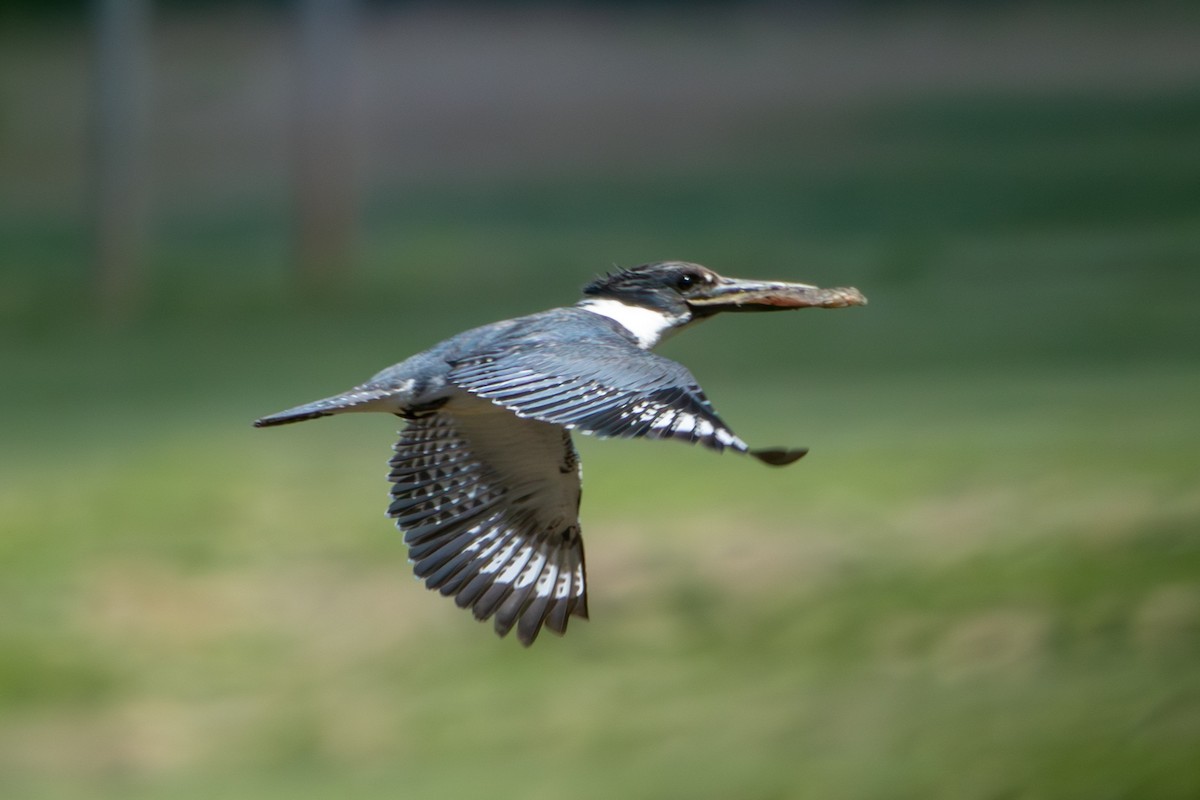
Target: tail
<point x="361" y="399"/>
<point x="292" y="415"/>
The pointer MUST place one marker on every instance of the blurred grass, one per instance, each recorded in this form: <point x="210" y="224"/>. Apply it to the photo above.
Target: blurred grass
<point x="983" y="582"/>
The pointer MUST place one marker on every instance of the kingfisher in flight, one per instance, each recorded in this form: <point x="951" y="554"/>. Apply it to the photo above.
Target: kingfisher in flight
<point x="485" y="478"/>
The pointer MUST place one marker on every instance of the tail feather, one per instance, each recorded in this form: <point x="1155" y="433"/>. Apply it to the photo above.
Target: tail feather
<point x="285" y="417"/>
<point x="353" y="400"/>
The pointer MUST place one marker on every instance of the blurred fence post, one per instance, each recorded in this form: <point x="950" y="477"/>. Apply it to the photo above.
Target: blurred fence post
<point x="121" y="30"/>
<point x="325" y="138"/>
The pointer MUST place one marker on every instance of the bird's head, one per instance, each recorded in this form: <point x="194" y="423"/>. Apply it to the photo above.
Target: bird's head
<point x="671" y="294"/>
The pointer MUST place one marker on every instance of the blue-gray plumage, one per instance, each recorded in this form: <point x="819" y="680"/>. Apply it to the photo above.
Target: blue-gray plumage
<point x="485" y="479"/>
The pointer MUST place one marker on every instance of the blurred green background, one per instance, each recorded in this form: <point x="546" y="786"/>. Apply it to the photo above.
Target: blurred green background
<point x="983" y="582"/>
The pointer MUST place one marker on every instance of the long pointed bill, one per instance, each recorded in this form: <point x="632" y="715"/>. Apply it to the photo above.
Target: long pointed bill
<point x="731" y="294"/>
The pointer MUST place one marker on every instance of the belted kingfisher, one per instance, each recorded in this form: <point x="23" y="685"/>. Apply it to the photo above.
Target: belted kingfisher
<point x="485" y="479"/>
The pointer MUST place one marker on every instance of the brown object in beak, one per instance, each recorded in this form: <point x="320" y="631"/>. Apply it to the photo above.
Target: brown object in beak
<point x="806" y="297"/>
<point x="735" y="295"/>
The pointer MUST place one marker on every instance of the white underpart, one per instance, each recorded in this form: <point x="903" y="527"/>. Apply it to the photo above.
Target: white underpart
<point x="648" y="326"/>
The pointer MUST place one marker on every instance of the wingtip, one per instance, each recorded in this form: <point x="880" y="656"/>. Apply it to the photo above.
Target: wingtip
<point x="779" y="456"/>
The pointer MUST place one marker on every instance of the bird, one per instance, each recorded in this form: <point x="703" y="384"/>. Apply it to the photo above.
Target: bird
<point x="485" y="479"/>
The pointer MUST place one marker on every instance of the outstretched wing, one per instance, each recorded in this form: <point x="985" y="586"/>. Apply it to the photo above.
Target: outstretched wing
<point x="607" y="388"/>
<point x="489" y="504"/>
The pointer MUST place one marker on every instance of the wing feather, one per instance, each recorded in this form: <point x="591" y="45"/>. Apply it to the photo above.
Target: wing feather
<point x="490" y="515"/>
<point x="608" y="389"/>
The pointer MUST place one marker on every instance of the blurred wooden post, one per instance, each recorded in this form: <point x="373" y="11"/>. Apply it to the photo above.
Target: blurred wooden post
<point x="325" y="181"/>
<point x="118" y="170"/>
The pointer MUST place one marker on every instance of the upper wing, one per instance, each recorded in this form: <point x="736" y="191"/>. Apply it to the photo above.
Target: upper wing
<point x="611" y="388"/>
<point x="489" y="504"/>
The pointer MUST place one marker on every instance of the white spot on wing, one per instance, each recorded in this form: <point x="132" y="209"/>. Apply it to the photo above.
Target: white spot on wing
<point x="547" y="581"/>
<point x="665" y="419"/>
<point x="514" y="569"/>
<point x="501" y="558"/>
<point x="562" y="589"/>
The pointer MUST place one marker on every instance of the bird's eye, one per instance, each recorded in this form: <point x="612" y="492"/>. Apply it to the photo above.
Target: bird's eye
<point x="686" y="281"/>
